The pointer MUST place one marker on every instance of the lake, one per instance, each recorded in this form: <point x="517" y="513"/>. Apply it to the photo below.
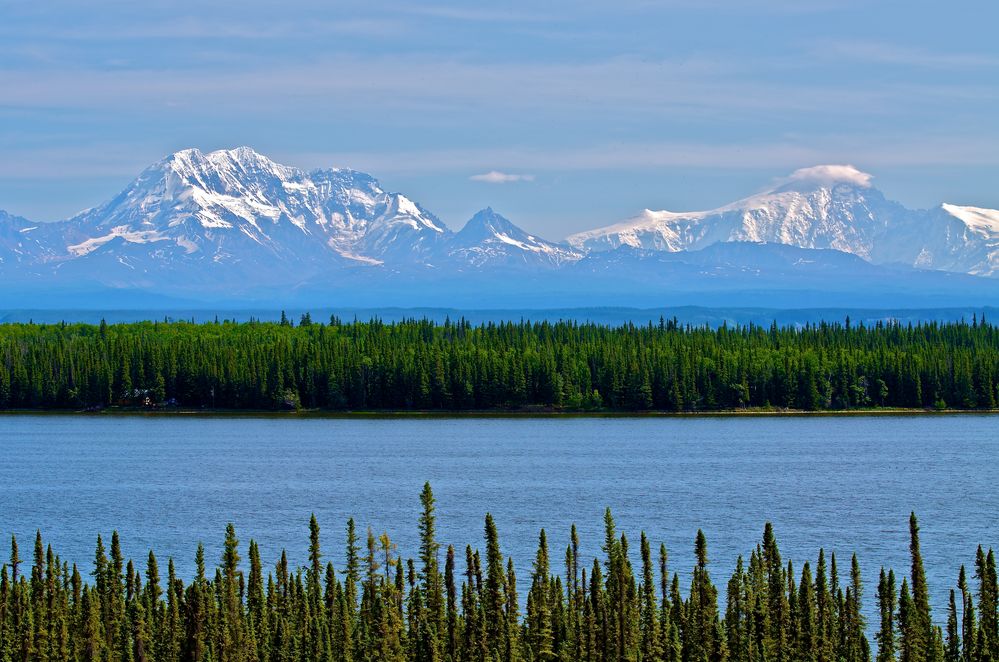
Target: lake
<point x="846" y="483"/>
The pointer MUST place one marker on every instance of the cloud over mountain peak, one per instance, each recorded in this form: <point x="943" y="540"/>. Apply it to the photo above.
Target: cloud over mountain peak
<point x="829" y="175"/>
<point x="233" y="220"/>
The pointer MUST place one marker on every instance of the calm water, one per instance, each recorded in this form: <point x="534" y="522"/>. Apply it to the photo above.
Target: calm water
<point x="845" y="483"/>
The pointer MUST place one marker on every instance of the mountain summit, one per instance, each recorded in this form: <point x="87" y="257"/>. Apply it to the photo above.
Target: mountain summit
<point x="233" y="223"/>
<point x="222" y="205"/>
<point x="489" y="239"/>
<point x="234" y="216"/>
<point x="831" y="206"/>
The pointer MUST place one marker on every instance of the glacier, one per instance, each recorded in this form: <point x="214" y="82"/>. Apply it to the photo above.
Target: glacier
<point x="233" y="224"/>
<point x="822" y="207"/>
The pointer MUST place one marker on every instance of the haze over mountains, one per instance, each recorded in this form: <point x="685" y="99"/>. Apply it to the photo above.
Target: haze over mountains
<point x="232" y="225"/>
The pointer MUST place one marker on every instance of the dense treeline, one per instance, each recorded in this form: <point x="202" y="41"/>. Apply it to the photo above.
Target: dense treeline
<point x="420" y="365"/>
<point x="375" y="606"/>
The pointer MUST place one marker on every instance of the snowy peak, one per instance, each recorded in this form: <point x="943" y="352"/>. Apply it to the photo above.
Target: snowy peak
<point x="19" y="239"/>
<point x="984" y="221"/>
<point x="226" y="169"/>
<point x="233" y="173"/>
<point x="490" y="239"/>
<point x="218" y="189"/>
<point x="954" y="238"/>
<point x="228" y="205"/>
<point x="234" y="219"/>
<point x="821" y="207"/>
<point x="486" y="224"/>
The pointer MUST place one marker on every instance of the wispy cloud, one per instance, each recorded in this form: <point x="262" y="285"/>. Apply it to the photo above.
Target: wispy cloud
<point x="93" y="172"/>
<point x="194" y="28"/>
<point x="475" y="15"/>
<point x="830" y="174"/>
<point x="497" y="177"/>
<point x="893" y="54"/>
<point x="684" y="88"/>
<point x="864" y="150"/>
<point x="498" y="165"/>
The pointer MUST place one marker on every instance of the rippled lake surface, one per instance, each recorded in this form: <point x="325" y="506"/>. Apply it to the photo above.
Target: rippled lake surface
<point x="845" y="483"/>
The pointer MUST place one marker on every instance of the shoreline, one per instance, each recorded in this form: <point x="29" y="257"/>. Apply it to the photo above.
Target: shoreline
<point x="487" y="414"/>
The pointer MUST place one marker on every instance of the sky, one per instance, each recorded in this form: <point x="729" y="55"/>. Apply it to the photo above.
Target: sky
<point x="561" y="115"/>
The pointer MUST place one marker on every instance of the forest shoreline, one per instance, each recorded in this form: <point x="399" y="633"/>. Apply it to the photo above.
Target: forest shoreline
<point x="527" y="413"/>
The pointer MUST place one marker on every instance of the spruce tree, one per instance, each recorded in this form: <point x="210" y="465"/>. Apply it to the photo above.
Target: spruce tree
<point x="825" y="619"/>
<point x="953" y="649"/>
<point x="493" y="599"/>
<point x="315" y="562"/>
<point x="777" y="607"/>
<point x="513" y="649"/>
<point x="887" y="604"/>
<point x="539" y="618"/>
<point x="651" y="642"/>
<point x="910" y="637"/>
<point x="606" y="613"/>
<point x="451" y="647"/>
<point x="920" y="624"/>
<point x="988" y="597"/>
<point x="430" y="579"/>
<point x="352" y="571"/>
<point x="854" y="624"/>
<point x="15" y="559"/>
<point x="806" y="646"/>
<point x="737" y="615"/>
<point x="231" y="633"/>
<point x="92" y="646"/>
<point x="968" y="626"/>
<point x="702" y="642"/>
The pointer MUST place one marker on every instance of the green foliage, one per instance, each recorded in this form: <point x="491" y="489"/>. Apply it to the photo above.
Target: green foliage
<point x="419" y="365"/>
<point x="410" y="613"/>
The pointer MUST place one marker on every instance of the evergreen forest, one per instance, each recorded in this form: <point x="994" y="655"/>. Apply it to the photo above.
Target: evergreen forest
<point x="455" y="366"/>
<point x="373" y="605"/>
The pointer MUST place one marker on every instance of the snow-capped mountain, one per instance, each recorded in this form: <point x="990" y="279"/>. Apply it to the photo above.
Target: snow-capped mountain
<point x="489" y="239"/>
<point x="232" y="205"/>
<point x="21" y="242"/>
<point x="948" y="238"/>
<point x="234" y="224"/>
<point x="236" y="217"/>
<point x="822" y="207"/>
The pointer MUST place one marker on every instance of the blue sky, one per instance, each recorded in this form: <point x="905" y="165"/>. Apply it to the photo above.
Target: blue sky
<point x="586" y="111"/>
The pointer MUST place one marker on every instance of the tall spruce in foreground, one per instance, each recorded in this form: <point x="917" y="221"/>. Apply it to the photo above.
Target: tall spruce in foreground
<point x="651" y="642"/>
<point x="604" y="613"/>
<point x="539" y="627"/>
<point x="918" y="625"/>
<point x="776" y="600"/>
<point x="430" y="581"/>
<point x="887" y="604"/>
<point x="703" y="643"/>
<point x="825" y="616"/>
<point x="493" y="598"/>
<point x="953" y="644"/>
<point x="988" y="602"/>
<point x="807" y="634"/>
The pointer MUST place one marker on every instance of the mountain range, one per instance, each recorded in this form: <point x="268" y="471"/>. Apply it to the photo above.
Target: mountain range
<point x="232" y="225"/>
<point x="831" y="207"/>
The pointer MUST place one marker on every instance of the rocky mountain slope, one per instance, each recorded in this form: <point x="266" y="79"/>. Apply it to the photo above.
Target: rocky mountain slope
<point x="822" y="207"/>
<point x="232" y="215"/>
<point x="233" y="223"/>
